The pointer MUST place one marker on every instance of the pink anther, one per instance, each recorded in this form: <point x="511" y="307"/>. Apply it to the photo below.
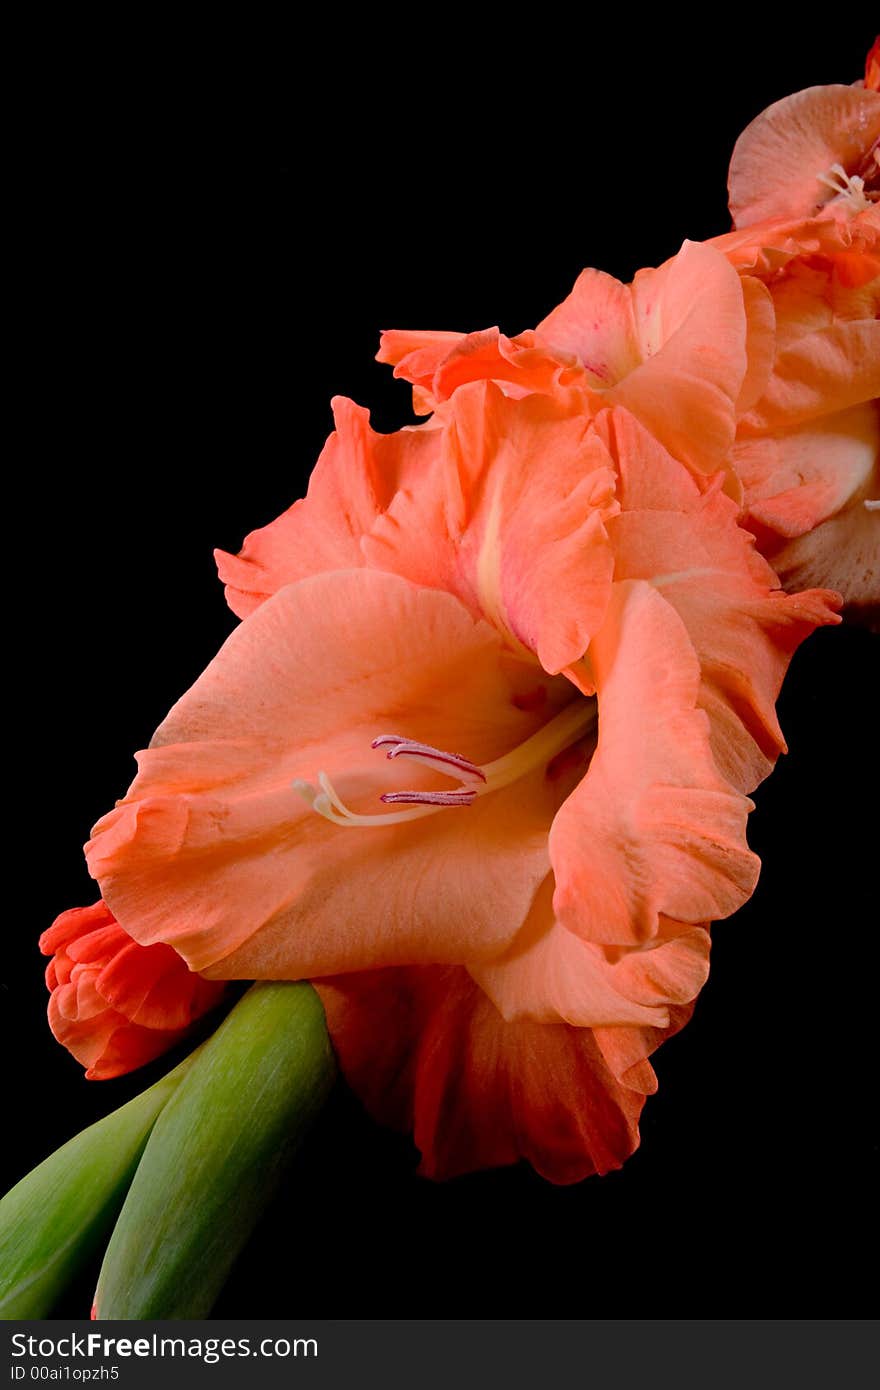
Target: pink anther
<point x="450" y="764"/>
<point x="462" y="797"/>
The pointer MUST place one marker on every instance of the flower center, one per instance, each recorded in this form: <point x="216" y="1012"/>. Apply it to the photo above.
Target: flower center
<point x="569" y="726"/>
<point x="848" y="188"/>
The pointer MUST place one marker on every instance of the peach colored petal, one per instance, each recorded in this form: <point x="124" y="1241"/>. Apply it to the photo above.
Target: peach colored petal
<point x="520" y="366"/>
<point x="795" y="479"/>
<point x="352" y="483"/>
<point x="678" y="347"/>
<point x="479" y="1092"/>
<point x="460" y="509"/>
<point x="691" y="326"/>
<point x="843" y="551"/>
<point x="597" y="324"/>
<point x="416" y="355"/>
<point x="652" y="829"/>
<point x="742" y="629"/>
<point x="760" y="342"/>
<point x="525" y="546"/>
<point x="780" y="157"/>
<point x="819" y="373"/>
<point x="213" y="851"/>
<point x="549" y="975"/>
<point x="807" y="446"/>
<point x="672" y="348"/>
<point x="846" y="246"/>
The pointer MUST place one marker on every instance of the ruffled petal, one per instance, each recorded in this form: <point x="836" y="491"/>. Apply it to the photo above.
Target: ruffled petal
<point x="652" y="829"/>
<point x="672" y="348"/>
<point x="213" y="851"/>
<point x="479" y="1092"/>
<point x="549" y="975"/>
<point x="416" y="356"/>
<point x="527" y="547"/>
<point x="843" y="551"/>
<point x="116" y="1005"/>
<point x="691" y="325"/>
<point x="743" y="631"/>
<point x="352" y="483"/>
<point x="520" y="366"/>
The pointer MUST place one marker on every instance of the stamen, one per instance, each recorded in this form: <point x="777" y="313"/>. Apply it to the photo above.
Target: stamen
<point x="556" y="738"/>
<point x="848" y="187"/>
<point x="463" y="796"/>
<point x="449" y="764"/>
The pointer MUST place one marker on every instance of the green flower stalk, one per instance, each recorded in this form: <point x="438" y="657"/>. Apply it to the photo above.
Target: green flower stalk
<point x="56" y="1218"/>
<point x="216" y="1155"/>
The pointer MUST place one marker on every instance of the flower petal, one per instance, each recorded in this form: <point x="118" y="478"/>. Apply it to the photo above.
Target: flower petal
<point x="596" y="323"/>
<point x="477" y="1091"/>
<point x="795" y="479"/>
<point x="526" y="546"/>
<point x="742" y="630"/>
<point x="352" y="483"/>
<point x="114" y="1004"/>
<point x="549" y="975"/>
<point x="214" y="852"/>
<point x="819" y="373"/>
<point x="691" y="325"/>
<point x="416" y="356"/>
<point x="653" y="828"/>
<point x="843" y="551"/>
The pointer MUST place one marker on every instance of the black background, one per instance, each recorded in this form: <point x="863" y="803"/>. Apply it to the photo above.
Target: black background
<point x="205" y="269"/>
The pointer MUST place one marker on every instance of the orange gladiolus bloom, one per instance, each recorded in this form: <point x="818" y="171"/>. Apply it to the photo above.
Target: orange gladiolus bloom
<point x="114" y="1004"/>
<point x="812" y="153"/>
<point x="476" y="760"/>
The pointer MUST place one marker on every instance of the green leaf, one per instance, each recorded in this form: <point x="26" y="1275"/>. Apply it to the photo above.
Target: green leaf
<point x="58" y="1216"/>
<point x="216" y="1155"/>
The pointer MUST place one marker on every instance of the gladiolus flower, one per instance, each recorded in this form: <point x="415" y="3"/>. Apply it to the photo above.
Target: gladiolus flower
<point x="116" y="1005"/>
<point x="813" y="152"/>
<point x="477" y="753"/>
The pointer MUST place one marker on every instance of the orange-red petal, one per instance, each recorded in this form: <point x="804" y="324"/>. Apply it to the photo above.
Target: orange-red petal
<point x="478" y="1092"/>
<point x="114" y="1004"/>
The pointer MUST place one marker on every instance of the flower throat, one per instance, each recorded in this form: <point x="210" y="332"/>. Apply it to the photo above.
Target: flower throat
<point x="568" y="727"/>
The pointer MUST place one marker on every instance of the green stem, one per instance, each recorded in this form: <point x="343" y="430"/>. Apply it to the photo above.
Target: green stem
<point x="58" y="1216"/>
<point x="217" y="1154"/>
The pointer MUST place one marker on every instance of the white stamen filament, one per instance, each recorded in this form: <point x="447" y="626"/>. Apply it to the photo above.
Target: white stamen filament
<point x="570" y="725"/>
<point x="849" y="187"/>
